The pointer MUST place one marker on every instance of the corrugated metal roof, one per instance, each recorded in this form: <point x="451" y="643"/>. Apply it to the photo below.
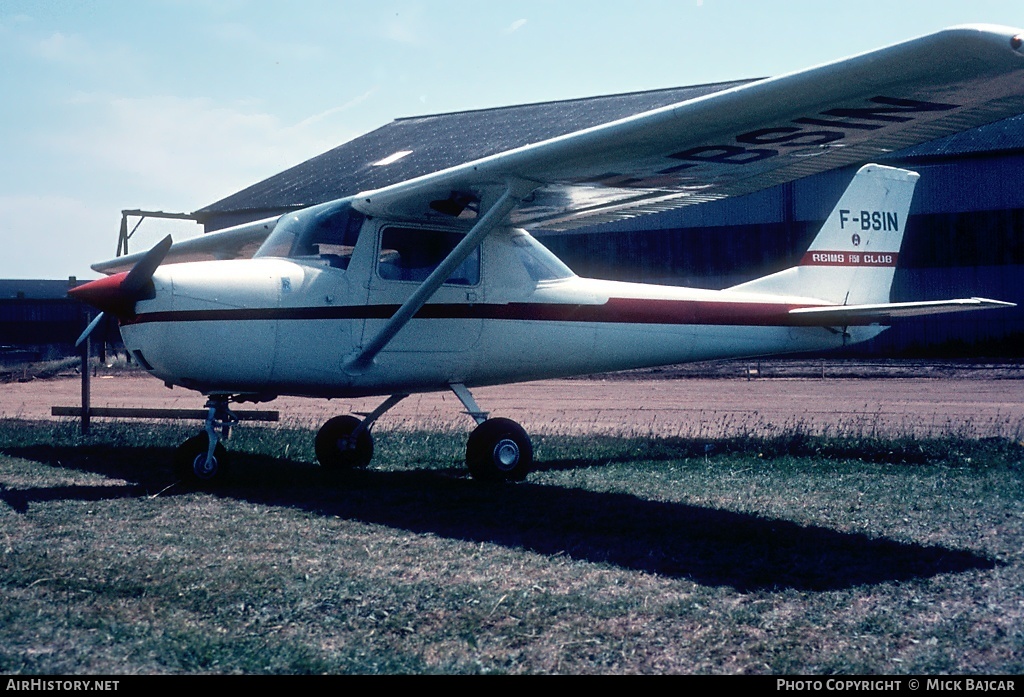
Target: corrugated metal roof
<point x="999" y="137"/>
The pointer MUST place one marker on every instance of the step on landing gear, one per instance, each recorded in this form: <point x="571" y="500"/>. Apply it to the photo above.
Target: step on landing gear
<point x="201" y="460"/>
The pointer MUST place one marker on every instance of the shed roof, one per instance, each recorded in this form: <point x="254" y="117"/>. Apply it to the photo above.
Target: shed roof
<point x="35" y="289"/>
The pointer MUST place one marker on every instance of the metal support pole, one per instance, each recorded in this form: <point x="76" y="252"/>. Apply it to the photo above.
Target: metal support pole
<point x="466" y="397"/>
<point x="371" y="417"/>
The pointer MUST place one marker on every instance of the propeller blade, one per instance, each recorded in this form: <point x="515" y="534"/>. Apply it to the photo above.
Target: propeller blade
<point x="89" y="330"/>
<point x="141" y="274"/>
<point x="118" y="294"/>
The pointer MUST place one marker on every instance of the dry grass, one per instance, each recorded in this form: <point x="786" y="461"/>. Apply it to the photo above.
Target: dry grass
<point x="788" y="554"/>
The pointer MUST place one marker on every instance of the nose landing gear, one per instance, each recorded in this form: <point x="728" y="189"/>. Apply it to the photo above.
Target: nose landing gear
<point x="201" y="460"/>
<point x="195" y="465"/>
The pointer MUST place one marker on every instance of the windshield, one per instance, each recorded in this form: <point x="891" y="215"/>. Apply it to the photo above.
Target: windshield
<point x="328" y="231"/>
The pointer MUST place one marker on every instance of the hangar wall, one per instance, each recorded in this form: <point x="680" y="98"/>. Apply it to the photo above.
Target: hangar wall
<point x="38" y="321"/>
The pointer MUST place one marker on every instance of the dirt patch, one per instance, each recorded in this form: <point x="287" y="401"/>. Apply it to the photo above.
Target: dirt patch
<point x="924" y="399"/>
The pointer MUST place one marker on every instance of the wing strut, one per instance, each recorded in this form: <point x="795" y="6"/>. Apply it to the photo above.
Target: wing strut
<point x="495" y="216"/>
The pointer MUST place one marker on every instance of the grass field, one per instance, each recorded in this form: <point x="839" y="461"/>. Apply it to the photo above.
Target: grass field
<point x="618" y="555"/>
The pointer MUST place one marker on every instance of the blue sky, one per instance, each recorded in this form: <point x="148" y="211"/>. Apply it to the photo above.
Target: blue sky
<point x="173" y="104"/>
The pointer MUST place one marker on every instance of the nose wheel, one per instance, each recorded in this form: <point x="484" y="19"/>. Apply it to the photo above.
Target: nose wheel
<point x="194" y="464"/>
<point x="200" y="461"/>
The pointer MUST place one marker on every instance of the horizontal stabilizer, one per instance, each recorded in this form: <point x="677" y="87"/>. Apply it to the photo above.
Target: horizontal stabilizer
<point x="847" y="315"/>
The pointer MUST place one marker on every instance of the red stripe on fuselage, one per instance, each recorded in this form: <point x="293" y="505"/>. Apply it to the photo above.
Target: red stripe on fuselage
<point x="822" y="257"/>
<point x="614" y="311"/>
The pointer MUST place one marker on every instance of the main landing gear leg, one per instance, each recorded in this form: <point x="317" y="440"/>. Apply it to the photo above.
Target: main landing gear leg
<point x="344" y="442"/>
<point x="201" y="460"/>
<point x="498" y="449"/>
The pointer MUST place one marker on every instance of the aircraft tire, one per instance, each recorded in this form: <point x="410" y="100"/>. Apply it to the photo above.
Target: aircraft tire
<point x="499" y="451"/>
<point x="190" y="462"/>
<point x="334" y="449"/>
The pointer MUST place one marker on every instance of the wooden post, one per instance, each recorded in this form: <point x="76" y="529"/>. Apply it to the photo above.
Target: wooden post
<point x="86" y="350"/>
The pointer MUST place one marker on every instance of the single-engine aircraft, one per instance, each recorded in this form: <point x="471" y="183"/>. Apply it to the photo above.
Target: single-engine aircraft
<point x="435" y="284"/>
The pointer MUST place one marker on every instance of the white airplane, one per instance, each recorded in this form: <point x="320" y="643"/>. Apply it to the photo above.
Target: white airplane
<point x="433" y="284"/>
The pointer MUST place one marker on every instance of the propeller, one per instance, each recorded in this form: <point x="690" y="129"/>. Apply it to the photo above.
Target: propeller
<point x="90" y="329"/>
<point x="118" y="294"/>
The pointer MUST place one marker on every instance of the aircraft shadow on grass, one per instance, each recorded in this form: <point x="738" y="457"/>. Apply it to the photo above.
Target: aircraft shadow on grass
<point x="709" y="546"/>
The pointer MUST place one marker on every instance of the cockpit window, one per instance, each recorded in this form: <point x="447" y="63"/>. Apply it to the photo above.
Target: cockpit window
<point x="327" y="232"/>
<point x="411" y="254"/>
<point x="540" y="263"/>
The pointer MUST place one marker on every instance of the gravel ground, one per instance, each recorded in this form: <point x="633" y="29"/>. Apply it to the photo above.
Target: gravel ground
<point x="919" y="398"/>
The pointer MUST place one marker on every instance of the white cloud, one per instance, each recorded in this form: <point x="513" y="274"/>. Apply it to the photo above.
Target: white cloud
<point x="401" y="33"/>
<point x="193" y="151"/>
<point x="515" y="26"/>
<point x="59" y="47"/>
<point x="355" y="101"/>
<point x="408" y="26"/>
<point x="73" y="51"/>
<point x="158" y="153"/>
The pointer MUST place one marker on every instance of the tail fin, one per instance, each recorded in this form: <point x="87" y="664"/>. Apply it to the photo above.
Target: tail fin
<point x="853" y="259"/>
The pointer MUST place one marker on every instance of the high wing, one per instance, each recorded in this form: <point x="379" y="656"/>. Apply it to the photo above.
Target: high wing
<point x="739" y="140"/>
<point x="728" y="143"/>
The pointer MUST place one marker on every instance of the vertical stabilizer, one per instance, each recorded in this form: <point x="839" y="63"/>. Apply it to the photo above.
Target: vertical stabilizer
<point x="853" y="258"/>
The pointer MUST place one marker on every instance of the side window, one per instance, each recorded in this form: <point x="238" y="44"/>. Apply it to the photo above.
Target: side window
<point x="540" y="263"/>
<point x="410" y="254"/>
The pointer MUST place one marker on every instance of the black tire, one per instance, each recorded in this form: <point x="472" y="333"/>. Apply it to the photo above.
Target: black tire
<point x="191" y="465"/>
<point x="337" y="450"/>
<point x="499" y="451"/>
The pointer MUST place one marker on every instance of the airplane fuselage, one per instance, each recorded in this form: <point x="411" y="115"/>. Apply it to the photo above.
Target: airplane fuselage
<point x="272" y="326"/>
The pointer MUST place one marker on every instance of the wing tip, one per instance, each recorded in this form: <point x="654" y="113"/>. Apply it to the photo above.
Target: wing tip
<point x="999" y="34"/>
<point x="989" y="302"/>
